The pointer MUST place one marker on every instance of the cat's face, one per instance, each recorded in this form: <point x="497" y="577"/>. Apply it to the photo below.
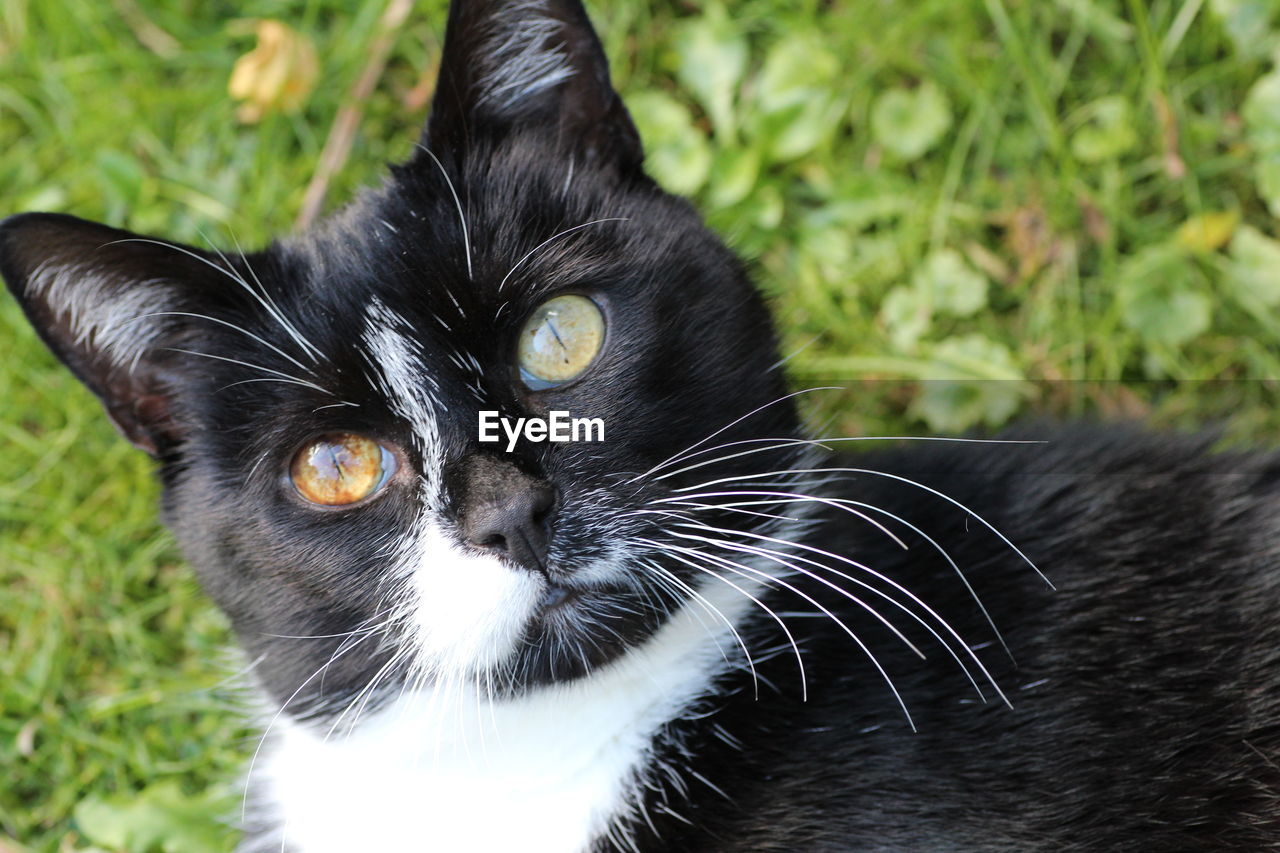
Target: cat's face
<point x="315" y="407"/>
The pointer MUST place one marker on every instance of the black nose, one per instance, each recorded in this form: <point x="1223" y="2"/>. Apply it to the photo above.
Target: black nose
<point x="505" y="510"/>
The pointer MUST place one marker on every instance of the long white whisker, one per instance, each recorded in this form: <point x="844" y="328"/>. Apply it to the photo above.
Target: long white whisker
<point x="680" y="455"/>
<point x="777" y="555"/>
<point x="266" y="295"/>
<point x="466" y="237"/>
<point x="359" y="630"/>
<point x="366" y="693"/>
<point x="778" y="443"/>
<point x="733" y="507"/>
<point x="267" y="306"/>
<point x="545" y="242"/>
<point x="711" y="609"/>
<point x="671" y="550"/>
<point x="897" y="540"/>
<point x="738" y="546"/>
<point x="728" y="564"/>
<point x="872" y="507"/>
<point x="286" y="382"/>
<point x="873" y="473"/>
<point x="234" y="326"/>
<point x="244" y="806"/>
<point x="276" y="373"/>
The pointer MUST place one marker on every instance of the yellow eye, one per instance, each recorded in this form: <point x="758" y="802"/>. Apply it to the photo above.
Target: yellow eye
<point x="341" y="468"/>
<point x="559" y="341"/>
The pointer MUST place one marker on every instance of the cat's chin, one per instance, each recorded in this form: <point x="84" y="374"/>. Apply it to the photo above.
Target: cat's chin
<point x="578" y="630"/>
<point x="471" y="612"/>
<point x="556" y="596"/>
<point x="480" y="617"/>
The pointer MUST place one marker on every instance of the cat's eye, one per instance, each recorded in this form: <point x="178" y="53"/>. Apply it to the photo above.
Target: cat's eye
<point x="559" y="341"/>
<point x="341" y="468"/>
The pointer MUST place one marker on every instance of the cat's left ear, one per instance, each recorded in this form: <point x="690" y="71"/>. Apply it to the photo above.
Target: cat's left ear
<point x="529" y="65"/>
<point x="111" y="305"/>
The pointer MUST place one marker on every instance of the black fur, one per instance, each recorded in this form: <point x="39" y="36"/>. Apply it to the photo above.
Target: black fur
<point x="1146" y="690"/>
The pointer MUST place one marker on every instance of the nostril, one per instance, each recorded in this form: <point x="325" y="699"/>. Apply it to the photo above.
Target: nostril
<point x="507" y="512"/>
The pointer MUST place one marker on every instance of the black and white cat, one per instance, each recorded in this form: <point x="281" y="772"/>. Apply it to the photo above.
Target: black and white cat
<point x="701" y="633"/>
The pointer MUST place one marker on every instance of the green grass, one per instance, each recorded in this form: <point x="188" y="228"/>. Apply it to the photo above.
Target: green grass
<point x="985" y="190"/>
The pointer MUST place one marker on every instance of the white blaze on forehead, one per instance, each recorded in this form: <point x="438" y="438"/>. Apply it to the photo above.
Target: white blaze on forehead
<point x="468" y="611"/>
<point x="401" y="375"/>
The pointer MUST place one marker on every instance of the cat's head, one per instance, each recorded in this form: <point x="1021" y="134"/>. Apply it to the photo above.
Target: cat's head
<point x="315" y="407"/>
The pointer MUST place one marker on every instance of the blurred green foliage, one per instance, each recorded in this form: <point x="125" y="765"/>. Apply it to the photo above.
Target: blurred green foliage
<point x="1069" y="202"/>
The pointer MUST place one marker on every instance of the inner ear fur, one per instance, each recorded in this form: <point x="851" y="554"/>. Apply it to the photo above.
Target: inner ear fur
<point x="529" y="66"/>
<point x="108" y="303"/>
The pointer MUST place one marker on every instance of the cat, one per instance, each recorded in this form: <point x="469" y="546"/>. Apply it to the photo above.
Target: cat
<point x="704" y="632"/>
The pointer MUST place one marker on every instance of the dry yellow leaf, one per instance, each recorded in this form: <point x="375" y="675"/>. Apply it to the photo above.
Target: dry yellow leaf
<point x="277" y="75"/>
<point x="1208" y="232"/>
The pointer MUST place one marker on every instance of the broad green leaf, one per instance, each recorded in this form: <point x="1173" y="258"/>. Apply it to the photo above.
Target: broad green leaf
<point x="859" y="211"/>
<point x="1163" y="296"/>
<point x="1249" y="24"/>
<point x="1108" y="134"/>
<point x="733" y="176"/>
<point x="800" y="128"/>
<point x="797" y="107"/>
<point x="678" y="154"/>
<point x="908" y="122"/>
<point x="906" y="316"/>
<point x="754" y="221"/>
<point x="1261" y="113"/>
<point x="796" y="67"/>
<point x="51" y="198"/>
<point x="158" y="819"/>
<point x="1266" y="172"/>
<point x="1207" y="232"/>
<point x="975" y="356"/>
<point x="831" y="248"/>
<point x="1170" y="316"/>
<point x="877" y="258"/>
<point x="978" y="383"/>
<point x="1254" y="272"/>
<point x="953" y="286"/>
<point x="770" y="206"/>
<point x="712" y="61"/>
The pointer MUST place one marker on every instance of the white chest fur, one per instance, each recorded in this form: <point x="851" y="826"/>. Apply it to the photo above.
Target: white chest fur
<point x="442" y="770"/>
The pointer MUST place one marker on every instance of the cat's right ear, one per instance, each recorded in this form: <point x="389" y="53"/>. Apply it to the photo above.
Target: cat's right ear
<point x="529" y="66"/>
<point x="109" y="305"/>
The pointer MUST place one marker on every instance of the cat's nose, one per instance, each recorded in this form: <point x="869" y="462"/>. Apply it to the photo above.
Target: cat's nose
<point x="505" y="510"/>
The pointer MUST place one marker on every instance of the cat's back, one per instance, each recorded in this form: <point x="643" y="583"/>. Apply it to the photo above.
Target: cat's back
<point x="1143" y="686"/>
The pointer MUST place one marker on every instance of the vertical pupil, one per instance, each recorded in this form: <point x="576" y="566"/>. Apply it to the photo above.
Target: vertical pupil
<point x="342" y="458"/>
<point x="559" y="341"/>
<point x="327" y="460"/>
<point x="555" y="333"/>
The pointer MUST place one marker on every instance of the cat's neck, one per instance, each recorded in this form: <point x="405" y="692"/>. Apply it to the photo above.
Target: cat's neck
<point x="550" y="770"/>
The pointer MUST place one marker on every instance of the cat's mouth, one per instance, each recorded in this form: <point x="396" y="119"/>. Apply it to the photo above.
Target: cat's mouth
<point x="556" y="597"/>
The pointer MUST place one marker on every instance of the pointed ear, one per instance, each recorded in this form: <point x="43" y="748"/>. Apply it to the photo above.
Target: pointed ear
<point x="529" y="65"/>
<point x="102" y="300"/>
